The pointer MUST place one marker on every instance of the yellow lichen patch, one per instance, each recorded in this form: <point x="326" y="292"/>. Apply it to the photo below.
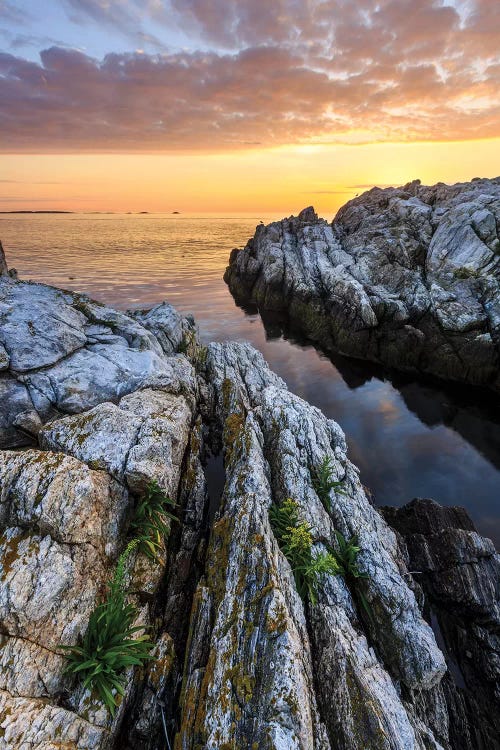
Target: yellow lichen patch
<point x="227" y="390"/>
<point x="11" y="551"/>
<point x="242" y="682"/>
<point x="219" y="556"/>
<point x="232" y="429"/>
<point x="277" y="623"/>
<point x="161" y="666"/>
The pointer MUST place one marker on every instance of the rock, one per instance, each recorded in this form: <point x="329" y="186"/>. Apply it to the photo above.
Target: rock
<point x="4" y="271"/>
<point x="248" y="676"/>
<point x="16" y="405"/>
<point x="63" y="353"/>
<point x="408" y="277"/>
<point x="143" y="438"/>
<point x="28" y="723"/>
<point x="459" y="572"/>
<point x="169" y="327"/>
<point x="61" y="526"/>
<point x="273" y="441"/>
<point x="241" y="657"/>
<point x="4" y="358"/>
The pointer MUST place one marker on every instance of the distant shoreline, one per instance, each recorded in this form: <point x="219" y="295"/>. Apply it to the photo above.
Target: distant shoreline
<point x="36" y="212"/>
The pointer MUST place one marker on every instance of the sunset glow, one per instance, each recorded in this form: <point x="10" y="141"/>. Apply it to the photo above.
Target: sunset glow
<point x="242" y="106"/>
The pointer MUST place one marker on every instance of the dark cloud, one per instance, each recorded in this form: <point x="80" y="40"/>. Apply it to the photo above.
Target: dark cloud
<point x="297" y="72"/>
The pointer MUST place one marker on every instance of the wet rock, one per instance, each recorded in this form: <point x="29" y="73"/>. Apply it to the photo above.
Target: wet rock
<point x="408" y="277"/>
<point x="459" y="572"/>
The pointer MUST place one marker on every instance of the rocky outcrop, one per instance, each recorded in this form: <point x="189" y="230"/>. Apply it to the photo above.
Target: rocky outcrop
<point x="243" y="657"/>
<point x="408" y="277"/>
<point x="66" y="504"/>
<point x="61" y="353"/>
<point x="259" y="645"/>
<point x="459" y="572"/>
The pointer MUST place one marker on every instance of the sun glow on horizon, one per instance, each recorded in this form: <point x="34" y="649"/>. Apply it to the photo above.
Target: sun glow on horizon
<point x="278" y="180"/>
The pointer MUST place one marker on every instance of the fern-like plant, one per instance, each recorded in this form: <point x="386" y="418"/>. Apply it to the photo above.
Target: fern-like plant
<point x="295" y="540"/>
<point x="346" y="558"/>
<point x="109" y="646"/>
<point x="150" y="519"/>
<point x="323" y="482"/>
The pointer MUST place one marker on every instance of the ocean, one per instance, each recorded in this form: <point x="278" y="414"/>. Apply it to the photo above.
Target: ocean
<point x="410" y="437"/>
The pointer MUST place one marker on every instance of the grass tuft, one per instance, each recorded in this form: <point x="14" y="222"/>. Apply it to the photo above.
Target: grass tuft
<point x="150" y="520"/>
<point x="109" y="647"/>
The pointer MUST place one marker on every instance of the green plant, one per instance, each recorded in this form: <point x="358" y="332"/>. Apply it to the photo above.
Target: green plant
<point x="295" y="540"/>
<point x="283" y="517"/>
<point x="108" y="646"/>
<point x="346" y="558"/>
<point x="323" y="482"/>
<point x="150" y="519"/>
<point x="465" y="273"/>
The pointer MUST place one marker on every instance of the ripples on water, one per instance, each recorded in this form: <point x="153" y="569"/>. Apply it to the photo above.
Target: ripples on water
<point x="409" y="438"/>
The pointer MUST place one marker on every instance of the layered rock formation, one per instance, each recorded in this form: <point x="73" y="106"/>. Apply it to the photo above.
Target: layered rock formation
<point x="408" y="277"/>
<point x="241" y="660"/>
<point x="459" y="571"/>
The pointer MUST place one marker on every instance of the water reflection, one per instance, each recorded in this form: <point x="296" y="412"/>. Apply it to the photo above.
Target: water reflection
<point x="409" y="437"/>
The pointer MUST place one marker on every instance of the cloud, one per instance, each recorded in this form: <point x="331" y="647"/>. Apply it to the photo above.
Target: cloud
<point x="18" y="41"/>
<point x="293" y="72"/>
<point x="9" y="12"/>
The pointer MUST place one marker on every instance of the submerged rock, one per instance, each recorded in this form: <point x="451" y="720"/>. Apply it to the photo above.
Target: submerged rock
<point x="243" y="656"/>
<point x="408" y="277"/>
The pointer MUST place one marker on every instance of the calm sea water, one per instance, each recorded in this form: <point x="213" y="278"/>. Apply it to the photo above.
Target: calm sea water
<point x="410" y="438"/>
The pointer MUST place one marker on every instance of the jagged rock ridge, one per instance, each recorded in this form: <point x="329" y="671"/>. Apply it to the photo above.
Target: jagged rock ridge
<point x="408" y="277"/>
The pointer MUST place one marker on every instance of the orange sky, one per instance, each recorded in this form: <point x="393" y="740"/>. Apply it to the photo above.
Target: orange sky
<point x="242" y="105"/>
<point x="281" y="180"/>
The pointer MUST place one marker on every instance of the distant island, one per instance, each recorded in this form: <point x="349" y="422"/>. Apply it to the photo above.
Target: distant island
<point x="36" y="212"/>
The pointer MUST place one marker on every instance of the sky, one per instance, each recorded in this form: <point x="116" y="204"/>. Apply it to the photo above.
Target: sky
<point x="242" y="105"/>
